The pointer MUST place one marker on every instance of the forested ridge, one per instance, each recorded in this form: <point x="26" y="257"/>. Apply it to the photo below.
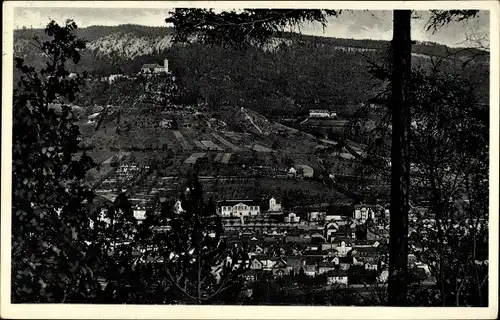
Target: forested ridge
<point x="277" y="79"/>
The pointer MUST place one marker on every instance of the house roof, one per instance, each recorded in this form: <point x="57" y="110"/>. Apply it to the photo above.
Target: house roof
<point x="367" y="206"/>
<point x="231" y="203"/>
<point x="295" y="239"/>
<point x="260" y="257"/>
<point x="366" y="249"/>
<point x="317" y="234"/>
<point x="275" y="259"/>
<point x="339" y="240"/>
<point x="364" y="242"/>
<point x="371" y="257"/>
<point x="293" y="261"/>
<point x="280" y="263"/>
<point x="270" y="239"/>
<point x="151" y="65"/>
<point x="332" y="224"/>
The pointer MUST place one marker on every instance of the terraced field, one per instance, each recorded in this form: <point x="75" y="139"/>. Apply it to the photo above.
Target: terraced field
<point x="225" y="142"/>
<point x="210" y="145"/>
<point x="199" y="144"/>
<point x="226" y="158"/>
<point x="193" y="157"/>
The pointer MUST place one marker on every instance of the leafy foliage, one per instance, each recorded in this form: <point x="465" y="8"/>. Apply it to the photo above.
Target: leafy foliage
<point x="188" y="262"/>
<point x="65" y="248"/>
<point x="449" y="156"/>
<point x="194" y="257"/>
<point x="50" y="259"/>
<point x="240" y="28"/>
<point x="441" y="18"/>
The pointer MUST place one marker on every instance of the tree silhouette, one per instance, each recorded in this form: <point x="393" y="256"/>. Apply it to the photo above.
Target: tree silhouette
<point x="51" y="262"/>
<point x="250" y="26"/>
<point x="196" y="261"/>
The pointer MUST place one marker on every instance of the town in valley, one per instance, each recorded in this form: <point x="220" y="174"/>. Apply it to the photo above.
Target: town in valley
<point x="160" y="167"/>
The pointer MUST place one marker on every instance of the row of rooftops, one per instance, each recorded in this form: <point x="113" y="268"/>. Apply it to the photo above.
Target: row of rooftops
<point x="231" y="203"/>
<point x="303" y="261"/>
<point x="326" y="268"/>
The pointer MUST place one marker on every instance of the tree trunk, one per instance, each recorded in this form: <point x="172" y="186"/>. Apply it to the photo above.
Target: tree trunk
<point x="398" y="241"/>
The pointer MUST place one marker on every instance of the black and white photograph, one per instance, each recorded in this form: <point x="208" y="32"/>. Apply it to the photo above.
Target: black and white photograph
<point x="251" y="154"/>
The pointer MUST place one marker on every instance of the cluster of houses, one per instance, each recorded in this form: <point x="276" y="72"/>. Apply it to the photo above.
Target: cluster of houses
<point x="344" y="247"/>
<point x="120" y="181"/>
<point x="342" y="261"/>
<point x="341" y="248"/>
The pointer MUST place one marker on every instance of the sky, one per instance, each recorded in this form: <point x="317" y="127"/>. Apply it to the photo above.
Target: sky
<point x="355" y="24"/>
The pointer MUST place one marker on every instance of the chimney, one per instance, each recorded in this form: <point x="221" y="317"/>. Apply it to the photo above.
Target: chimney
<point x="165" y="65"/>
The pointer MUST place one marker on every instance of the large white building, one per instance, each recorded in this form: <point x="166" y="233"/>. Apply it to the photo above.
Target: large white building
<point x="238" y="208"/>
<point x="321" y="113"/>
<point x="155" y="68"/>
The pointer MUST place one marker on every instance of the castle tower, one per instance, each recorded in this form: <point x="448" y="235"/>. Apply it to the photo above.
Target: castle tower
<point x="272" y="204"/>
<point x="165" y="65"/>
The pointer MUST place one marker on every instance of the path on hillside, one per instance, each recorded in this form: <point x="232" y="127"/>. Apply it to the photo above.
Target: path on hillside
<point x="305" y="120"/>
<point x="185" y="145"/>
<point x="327" y="141"/>
<point x="251" y="121"/>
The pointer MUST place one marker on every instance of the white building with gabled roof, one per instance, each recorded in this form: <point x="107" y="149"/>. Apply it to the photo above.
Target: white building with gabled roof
<point x="322" y="113"/>
<point x="150" y="68"/>
<point x="238" y="208"/>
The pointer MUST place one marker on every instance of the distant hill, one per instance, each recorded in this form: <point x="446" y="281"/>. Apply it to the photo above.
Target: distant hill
<point x="109" y="40"/>
<point x="289" y="74"/>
